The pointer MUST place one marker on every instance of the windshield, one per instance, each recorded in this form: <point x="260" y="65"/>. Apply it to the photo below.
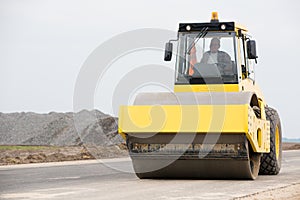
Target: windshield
<point x="206" y="58"/>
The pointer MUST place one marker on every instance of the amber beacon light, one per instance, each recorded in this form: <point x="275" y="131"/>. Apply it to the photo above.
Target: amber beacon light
<point x="214" y="17"/>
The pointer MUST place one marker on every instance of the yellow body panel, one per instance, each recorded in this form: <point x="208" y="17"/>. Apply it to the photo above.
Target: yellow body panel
<point x="207" y="88"/>
<point x="195" y="118"/>
<point x="240" y="27"/>
<point x="247" y="85"/>
<point x="184" y="118"/>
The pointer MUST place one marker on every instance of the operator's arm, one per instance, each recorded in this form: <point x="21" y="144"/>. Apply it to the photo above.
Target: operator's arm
<point x="225" y="60"/>
<point x="204" y="58"/>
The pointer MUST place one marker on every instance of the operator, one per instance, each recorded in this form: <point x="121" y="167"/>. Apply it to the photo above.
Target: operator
<point x="214" y="56"/>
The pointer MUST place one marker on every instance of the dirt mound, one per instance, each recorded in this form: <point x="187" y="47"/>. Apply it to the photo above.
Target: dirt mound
<point x="59" y="129"/>
<point x="290" y="146"/>
<point x="38" y="154"/>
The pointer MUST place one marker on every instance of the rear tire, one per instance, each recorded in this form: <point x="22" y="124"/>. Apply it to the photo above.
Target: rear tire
<point x="271" y="162"/>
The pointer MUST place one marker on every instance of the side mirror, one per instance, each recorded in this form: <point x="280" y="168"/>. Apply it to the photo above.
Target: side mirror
<point x="251" y="49"/>
<point x="168" y="51"/>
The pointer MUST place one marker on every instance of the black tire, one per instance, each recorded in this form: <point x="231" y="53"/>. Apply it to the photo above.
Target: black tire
<point x="271" y="162"/>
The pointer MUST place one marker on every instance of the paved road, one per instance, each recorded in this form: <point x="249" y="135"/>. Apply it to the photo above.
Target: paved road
<point x="94" y="180"/>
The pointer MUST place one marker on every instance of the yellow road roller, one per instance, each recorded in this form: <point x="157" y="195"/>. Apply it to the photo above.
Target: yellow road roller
<point x="216" y="124"/>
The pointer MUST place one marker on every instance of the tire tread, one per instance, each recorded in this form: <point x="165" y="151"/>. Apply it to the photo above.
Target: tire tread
<point x="269" y="164"/>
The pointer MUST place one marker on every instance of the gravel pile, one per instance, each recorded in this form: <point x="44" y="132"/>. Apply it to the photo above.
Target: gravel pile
<point x="59" y="129"/>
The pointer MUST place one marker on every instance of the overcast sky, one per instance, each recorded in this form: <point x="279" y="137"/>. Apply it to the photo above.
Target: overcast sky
<point x="43" y="45"/>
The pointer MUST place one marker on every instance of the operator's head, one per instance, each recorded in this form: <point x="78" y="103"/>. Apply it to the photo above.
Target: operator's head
<point x="214" y="45"/>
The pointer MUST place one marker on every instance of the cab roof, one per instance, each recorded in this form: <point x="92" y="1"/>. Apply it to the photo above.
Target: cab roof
<point x="211" y="26"/>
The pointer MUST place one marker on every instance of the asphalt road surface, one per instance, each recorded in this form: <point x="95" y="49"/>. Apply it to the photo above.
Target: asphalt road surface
<point x="113" y="179"/>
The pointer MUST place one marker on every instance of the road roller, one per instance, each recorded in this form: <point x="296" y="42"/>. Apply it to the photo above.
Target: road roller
<point x="216" y="123"/>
